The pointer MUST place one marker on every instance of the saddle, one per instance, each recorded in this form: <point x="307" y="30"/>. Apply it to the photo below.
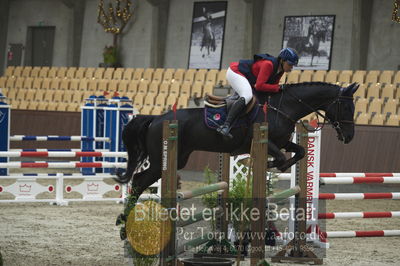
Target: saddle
<point x="218" y="102"/>
<point x="216" y="109"/>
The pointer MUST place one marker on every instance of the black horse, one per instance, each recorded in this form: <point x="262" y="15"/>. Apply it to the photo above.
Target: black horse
<point x="142" y="136"/>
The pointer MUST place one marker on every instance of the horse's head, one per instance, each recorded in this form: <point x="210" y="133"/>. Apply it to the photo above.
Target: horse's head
<point x="341" y="113"/>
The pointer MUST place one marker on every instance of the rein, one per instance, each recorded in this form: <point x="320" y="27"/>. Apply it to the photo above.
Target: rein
<point x="335" y="123"/>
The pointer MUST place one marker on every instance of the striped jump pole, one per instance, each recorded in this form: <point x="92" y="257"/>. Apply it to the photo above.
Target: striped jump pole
<point x="57" y="138"/>
<point x="51" y="150"/>
<point x="183" y="195"/>
<point x="349" y="215"/>
<point x="12" y="154"/>
<point x="376" y="233"/>
<point x="61" y="165"/>
<point x="360" y="180"/>
<point x="359" y="196"/>
<point x="287" y="176"/>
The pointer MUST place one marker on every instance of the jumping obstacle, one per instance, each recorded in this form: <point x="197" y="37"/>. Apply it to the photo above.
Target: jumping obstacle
<point x="376" y="233"/>
<point x="101" y="151"/>
<point x="358" y="196"/>
<point x="183" y="195"/>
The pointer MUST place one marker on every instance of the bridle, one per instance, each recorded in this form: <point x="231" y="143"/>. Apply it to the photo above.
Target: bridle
<point x="335" y="122"/>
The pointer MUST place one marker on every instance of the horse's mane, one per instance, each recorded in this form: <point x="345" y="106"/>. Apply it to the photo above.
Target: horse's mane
<point x="293" y="85"/>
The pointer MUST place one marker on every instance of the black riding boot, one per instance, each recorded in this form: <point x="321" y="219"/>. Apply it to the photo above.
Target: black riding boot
<point x="235" y="110"/>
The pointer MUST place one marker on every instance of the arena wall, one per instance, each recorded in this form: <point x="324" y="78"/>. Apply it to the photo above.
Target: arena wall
<point x="364" y="36"/>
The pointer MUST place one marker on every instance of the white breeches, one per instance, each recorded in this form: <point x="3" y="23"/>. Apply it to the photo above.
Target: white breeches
<point x="240" y="84"/>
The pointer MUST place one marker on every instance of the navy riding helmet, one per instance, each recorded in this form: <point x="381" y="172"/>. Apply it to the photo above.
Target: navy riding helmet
<point x="289" y="55"/>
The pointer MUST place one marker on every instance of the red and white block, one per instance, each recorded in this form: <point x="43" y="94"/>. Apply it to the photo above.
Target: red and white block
<point x="377" y="233"/>
<point x="360" y="180"/>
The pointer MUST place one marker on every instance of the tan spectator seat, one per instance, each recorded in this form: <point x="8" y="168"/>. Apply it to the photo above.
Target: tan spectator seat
<point x="143" y="87"/>
<point x="28" y="83"/>
<point x="133" y="86"/>
<point x="168" y="75"/>
<point x="388" y="91"/>
<point x="211" y="77"/>
<point x="158" y="75"/>
<point x="23" y="105"/>
<point x="118" y="73"/>
<point x="200" y="76"/>
<point x="393" y="120"/>
<point x="30" y="94"/>
<point x="345" y="77"/>
<point x="44" y="72"/>
<point x="221" y="77"/>
<point x="197" y="90"/>
<point x="293" y="76"/>
<point x="386" y="77"/>
<point x="175" y="88"/>
<point x="35" y="72"/>
<point x="52" y="72"/>
<point x="122" y="86"/>
<point x="89" y="73"/>
<point x="74" y="84"/>
<point x="208" y="89"/>
<point x="68" y="95"/>
<point x="20" y="96"/>
<point x="71" y="72"/>
<point x="9" y="71"/>
<point x="39" y="95"/>
<point x="99" y="73"/>
<point x="83" y="84"/>
<point x="113" y="84"/>
<point x="377" y="120"/>
<point x="363" y="118"/>
<point x="10" y="82"/>
<point x="128" y="73"/>
<point x="361" y="105"/>
<point x="332" y="76"/>
<point x="189" y="76"/>
<point x="359" y="76"/>
<point x="306" y="76"/>
<point x="372" y="77"/>
<point x="19" y="83"/>
<point x="375" y="106"/>
<point x="148" y="74"/>
<point x="18" y="71"/>
<point x="157" y="110"/>
<point x="179" y="75"/>
<point x="361" y="91"/>
<point x="62" y="72"/>
<point x="3" y="81"/>
<point x="146" y="110"/>
<point x="319" y="76"/>
<point x="64" y="84"/>
<point x="171" y="100"/>
<point x="137" y="75"/>
<point x="102" y="85"/>
<point x="80" y="73"/>
<point x="58" y="95"/>
<point x="164" y="88"/>
<point x="26" y="71"/>
<point x="391" y="106"/>
<point x="183" y="101"/>
<point x="54" y="84"/>
<point x="396" y="79"/>
<point x="108" y="73"/>
<point x="160" y="100"/>
<point x="374" y="90"/>
<point x="153" y="88"/>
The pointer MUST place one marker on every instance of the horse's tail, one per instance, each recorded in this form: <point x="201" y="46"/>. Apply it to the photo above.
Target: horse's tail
<point x="134" y="138"/>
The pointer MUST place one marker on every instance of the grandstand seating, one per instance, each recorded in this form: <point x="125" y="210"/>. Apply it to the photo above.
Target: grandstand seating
<point x="156" y="90"/>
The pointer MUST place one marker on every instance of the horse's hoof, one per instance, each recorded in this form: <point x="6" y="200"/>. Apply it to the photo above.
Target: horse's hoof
<point x="120" y="219"/>
<point x="122" y="233"/>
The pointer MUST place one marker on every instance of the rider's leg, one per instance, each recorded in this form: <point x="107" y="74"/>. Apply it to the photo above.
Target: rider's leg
<point x="242" y="87"/>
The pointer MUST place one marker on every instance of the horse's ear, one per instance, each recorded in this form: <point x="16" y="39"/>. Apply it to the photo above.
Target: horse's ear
<point x="351" y="89"/>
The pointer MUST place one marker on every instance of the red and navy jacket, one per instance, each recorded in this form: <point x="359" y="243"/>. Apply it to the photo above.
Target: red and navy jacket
<point x="261" y="72"/>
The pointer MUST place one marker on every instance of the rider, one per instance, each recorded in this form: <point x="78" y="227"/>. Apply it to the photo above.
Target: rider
<point x="263" y="73"/>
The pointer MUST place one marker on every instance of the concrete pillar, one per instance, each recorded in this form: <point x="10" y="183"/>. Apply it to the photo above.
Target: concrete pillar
<point x="253" y="20"/>
<point x="4" y="12"/>
<point x="159" y="26"/>
<point x="78" y="8"/>
<point x="362" y="12"/>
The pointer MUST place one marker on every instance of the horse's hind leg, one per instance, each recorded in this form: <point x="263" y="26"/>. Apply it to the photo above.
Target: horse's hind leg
<point x="279" y="157"/>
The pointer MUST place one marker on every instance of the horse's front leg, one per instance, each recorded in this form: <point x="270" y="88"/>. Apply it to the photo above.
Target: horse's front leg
<point x="275" y="152"/>
<point x="299" y="153"/>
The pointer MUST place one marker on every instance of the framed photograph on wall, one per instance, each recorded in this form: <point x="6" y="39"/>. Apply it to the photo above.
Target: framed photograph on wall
<point x="207" y="36"/>
<point x="312" y="37"/>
